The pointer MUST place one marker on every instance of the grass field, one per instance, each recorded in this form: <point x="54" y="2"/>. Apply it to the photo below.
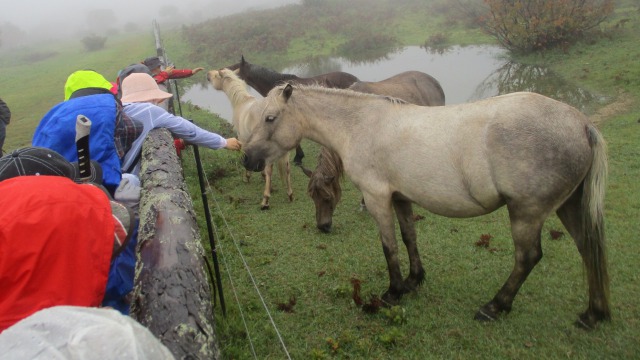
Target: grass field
<point x="270" y="258"/>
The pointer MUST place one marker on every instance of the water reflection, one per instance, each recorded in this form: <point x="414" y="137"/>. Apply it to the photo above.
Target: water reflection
<point x="466" y="74"/>
<point x="512" y="77"/>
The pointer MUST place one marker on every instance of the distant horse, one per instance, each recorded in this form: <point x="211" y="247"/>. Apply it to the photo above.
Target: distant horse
<point x="263" y="80"/>
<point x="324" y="186"/>
<point x="523" y="150"/>
<point x="414" y="87"/>
<point x="242" y="102"/>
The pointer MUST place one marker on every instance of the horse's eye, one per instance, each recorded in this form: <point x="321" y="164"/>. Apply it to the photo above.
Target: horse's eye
<point x="270" y="118"/>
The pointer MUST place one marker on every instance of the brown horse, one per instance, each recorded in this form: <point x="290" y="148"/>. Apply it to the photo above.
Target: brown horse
<point x="263" y="80"/>
<point x="324" y="186"/>
<point x="525" y="151"/>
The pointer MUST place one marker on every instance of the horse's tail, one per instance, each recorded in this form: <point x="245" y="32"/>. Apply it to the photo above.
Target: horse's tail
<point x="594" y="246"/>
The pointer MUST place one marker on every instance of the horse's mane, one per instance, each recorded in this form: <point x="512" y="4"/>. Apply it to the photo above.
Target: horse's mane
<point x="266" y="74"/>
<point x="329" y="165"/>
<point x="235" y="88"/>
<point x="342" y="92"/>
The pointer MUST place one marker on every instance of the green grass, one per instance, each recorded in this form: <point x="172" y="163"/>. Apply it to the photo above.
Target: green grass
<point x="288" y="257"/>
<point x="31" y="88"/>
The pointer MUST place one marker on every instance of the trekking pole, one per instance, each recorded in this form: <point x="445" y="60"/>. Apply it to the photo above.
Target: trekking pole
<point x="207" y="213"/>
<point x="203" y="191"/>
<point x="83" y="129"/>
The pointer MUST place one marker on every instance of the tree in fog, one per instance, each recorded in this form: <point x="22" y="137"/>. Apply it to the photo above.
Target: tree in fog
<point x="11" y="35"/>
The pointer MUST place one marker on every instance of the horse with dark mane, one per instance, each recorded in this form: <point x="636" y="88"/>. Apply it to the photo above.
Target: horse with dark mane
<point x="324" y="186"/>
<point x="534" y="155"/>
<point x="263" y="80"/>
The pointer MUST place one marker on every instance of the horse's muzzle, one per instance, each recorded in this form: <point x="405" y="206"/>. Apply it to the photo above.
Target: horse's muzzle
<point x="253" y="164"/>
<point x="325" y="228"/>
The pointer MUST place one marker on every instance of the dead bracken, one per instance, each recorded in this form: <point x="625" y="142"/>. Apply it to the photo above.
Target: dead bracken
<point x="484" y="240"/>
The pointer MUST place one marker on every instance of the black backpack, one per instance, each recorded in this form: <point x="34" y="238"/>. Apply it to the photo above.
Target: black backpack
<point x="133" y="68"/>
<point x="5" y="113"/>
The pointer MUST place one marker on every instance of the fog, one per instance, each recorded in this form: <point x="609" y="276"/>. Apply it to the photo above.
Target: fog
<point x="27" y="21"/>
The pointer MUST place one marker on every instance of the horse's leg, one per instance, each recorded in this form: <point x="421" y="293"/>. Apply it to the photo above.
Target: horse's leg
<point x="570" y="215"/>
<point x="287" y="178"/>
<point x="525" y="230"/>
<point x="266" y="195"/>
<point x="404" y="213"/>
<point x="297" y="160"/>
<point x="247" y="176"/>
<point x="382" y="212"/>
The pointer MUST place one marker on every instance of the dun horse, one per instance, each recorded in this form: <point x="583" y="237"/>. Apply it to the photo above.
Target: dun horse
<point x="263" y="80"/>
<point x="324" y="182"/>
<point x="243" y="122"/>
<point x="523" y="150"/>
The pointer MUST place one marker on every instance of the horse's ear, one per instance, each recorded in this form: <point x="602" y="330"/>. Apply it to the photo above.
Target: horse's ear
<point x="242" y="59"/>
<point x="288" y="89"/>
<point x="237" y="71"/>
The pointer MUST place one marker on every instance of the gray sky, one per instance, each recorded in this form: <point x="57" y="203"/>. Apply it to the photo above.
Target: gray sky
<point x="43" y="18"/>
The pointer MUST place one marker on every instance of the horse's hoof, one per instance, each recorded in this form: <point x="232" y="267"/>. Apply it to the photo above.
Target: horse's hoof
<point x="264" y="207"/>
<point x="291" y="198"/>
<point x="411" y="283"/>
<point x="485" y="315"/>
<point x="391" y="299"/>
<point x="584" y="324"/>
<point x="589" y="320"/>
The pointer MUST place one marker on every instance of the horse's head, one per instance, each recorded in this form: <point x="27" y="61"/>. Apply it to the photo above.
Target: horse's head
<point x="218" y="77"/>
<point x="215" y="79"/>
<point x="276" y="132"/>
<point x="324" y="187"/>
<point x="244" y="68"/>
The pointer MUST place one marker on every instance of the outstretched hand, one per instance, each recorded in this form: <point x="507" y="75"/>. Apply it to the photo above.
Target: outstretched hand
<point x="198" y="69"/>
<point x="233" y="144"/>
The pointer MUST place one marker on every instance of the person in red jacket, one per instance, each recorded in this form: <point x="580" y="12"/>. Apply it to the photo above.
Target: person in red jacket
<point x="57" y="237"/>
<point x="155" y="65"/>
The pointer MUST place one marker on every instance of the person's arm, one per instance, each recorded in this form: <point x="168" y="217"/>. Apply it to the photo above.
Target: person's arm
<point x="182" y="73"/>
<point x="161" y="77"/>
<point x="186" y="130"/>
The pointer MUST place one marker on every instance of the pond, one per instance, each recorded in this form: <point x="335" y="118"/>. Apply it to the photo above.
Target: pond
<point x="466" y="73"/>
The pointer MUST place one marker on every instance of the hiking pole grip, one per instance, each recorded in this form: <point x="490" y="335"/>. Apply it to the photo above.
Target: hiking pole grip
<point x="83" y="129"/>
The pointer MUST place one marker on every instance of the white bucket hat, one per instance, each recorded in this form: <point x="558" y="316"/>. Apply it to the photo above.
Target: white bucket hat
<point x="141" y="87"/>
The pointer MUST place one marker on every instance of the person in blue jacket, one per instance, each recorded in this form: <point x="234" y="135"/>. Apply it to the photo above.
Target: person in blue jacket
<point x="112" y="133"/>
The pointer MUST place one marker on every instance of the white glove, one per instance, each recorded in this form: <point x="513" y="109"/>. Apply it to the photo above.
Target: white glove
<point x="128" y="192"/>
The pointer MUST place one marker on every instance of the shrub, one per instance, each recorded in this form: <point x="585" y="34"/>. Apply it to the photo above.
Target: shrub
<point x="530" y="25"/>
<point x="94" y="42"/>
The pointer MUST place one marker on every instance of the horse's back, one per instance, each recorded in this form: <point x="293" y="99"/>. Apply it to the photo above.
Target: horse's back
<point x="411" y="86"/>
<point x="476" y="155"/>
<point x="337" y="79"/>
